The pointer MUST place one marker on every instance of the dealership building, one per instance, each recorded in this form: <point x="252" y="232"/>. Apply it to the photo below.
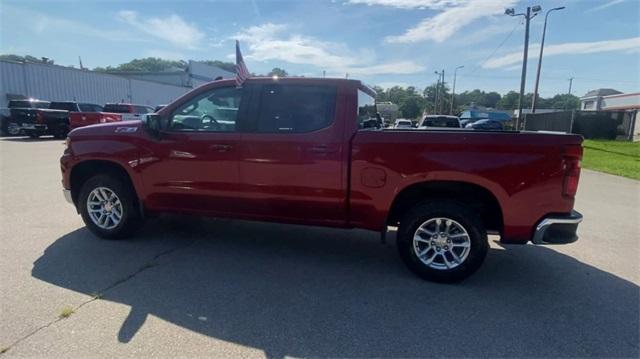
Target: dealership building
<point x="20" y="80"/>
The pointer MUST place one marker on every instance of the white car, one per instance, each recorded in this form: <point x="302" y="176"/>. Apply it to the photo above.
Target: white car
<point x="439" y="121"/>
<point x="403" y="123"/>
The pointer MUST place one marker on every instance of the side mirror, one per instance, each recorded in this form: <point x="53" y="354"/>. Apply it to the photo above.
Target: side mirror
<point x="153" y="124"/>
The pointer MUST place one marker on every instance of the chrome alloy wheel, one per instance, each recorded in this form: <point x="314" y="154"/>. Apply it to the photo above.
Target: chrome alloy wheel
<point x="104" y="207"/>
<point x="441" y="243"/>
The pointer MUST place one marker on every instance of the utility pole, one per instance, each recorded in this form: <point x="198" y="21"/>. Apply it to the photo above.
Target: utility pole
<point x="544" y="32"/>
<point x="570" y="84"/>
<point x="453" y="90"/>
<point x="530" y="14"/>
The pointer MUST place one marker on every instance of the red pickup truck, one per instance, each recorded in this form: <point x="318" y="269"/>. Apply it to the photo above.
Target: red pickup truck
<point x="295" y="150"/>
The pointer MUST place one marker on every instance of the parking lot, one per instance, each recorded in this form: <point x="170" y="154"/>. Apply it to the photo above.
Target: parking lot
<point x="196" y="287"/>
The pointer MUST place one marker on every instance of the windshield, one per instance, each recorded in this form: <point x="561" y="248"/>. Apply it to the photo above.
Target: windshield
<point x="441" y="122"/>
<point x="28" y="104"/>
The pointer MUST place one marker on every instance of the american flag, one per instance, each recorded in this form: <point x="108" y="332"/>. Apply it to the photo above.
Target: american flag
<point x="241" y="68"/>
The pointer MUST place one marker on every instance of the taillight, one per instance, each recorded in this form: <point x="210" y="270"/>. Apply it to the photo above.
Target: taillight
<point x="571" y="166"/>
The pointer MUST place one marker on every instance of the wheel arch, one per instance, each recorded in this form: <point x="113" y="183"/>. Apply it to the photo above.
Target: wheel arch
<point x="475" y="196"/>
<point x="82" y="171"/>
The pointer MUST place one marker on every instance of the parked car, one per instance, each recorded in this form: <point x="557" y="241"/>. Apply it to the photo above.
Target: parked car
<point x="439" y="121"/>
<point x="129" y="111"/>
<point x="403" y="123"/>
<point x="291" y="150"/>
<point x="10" y="125"/>
<point x="491" y="125"/>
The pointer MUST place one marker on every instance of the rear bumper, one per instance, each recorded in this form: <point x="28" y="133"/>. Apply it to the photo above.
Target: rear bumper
<point x="557" y="229"/>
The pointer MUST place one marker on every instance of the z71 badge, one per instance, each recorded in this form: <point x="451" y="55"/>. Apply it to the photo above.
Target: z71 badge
<point x="126" y="129"/>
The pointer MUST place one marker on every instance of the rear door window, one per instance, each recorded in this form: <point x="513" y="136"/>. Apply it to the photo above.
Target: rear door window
<point x="295" y="108"/>
<point x="117" y="108"/>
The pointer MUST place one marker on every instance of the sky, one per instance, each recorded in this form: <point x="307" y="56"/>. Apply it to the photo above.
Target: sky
<point x="381" y="42"/>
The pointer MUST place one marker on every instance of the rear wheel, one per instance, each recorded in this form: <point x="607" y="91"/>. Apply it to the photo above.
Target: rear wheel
<point x="442" y="241"/>
<point x="108" y="207"/>
<point x="62" y="132"/>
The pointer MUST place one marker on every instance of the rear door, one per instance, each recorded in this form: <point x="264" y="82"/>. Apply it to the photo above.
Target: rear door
<point x="291" y="156"/>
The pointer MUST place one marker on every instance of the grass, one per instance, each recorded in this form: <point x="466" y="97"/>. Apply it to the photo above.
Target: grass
<point x="4" y="350"/>
<point x="66" y="312"/>
<point x="620" y="158"/>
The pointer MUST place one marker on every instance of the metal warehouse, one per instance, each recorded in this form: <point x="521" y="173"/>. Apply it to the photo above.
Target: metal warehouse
<point x="59" y="83"/>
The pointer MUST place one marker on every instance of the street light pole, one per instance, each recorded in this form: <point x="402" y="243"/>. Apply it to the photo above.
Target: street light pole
<point x="441" y="96"/>
<point x="530" y="14"/>
<point x="453" y="90"/>
<point x="544" y="32"/>
<point x="435" y="102"/>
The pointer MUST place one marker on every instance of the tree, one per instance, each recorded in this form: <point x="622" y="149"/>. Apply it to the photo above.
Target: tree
<point x="564" y="102"/>
<point x="412" y="106"/>
<point x="27" y="58"/>
<point x="276" y="71"/>
<point x="509" y="101"/>
<point x="227" y="66"/>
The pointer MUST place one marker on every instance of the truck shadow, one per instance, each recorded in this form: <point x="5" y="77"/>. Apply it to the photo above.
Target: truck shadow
<point x="312" y="292"/>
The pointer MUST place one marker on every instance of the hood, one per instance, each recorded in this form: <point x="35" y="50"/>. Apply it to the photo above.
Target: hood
<point x="120" y="128"/>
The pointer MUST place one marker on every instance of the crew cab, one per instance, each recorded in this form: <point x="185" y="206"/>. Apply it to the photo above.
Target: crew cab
<point x="294" y="150"/>
<point x="40" y="118"/>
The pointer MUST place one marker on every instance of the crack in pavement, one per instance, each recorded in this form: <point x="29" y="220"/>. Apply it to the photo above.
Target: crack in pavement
<point x="152" y="263"/>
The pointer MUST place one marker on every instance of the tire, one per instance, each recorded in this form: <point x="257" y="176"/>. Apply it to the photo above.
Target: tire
<point x="10" y="128"/>
<point x="32" y="134"/>
<point x="105" y="184"/>
<point x="444" y="268"/>
<point x="62" y="132"/>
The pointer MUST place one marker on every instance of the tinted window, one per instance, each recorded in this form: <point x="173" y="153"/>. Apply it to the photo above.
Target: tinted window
<point x="216" y="111"/>
<point x="89" y="107"/>
<point x="296" y="108"/>
<point x="117" y="108"/>
<point x="67" y="106"/>
<point x="142" y="109"/>
<point x="366" y="107"/>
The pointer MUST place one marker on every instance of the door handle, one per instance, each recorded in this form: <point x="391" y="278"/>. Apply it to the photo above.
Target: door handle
<point x="221" y="148"/>
<point x="321" y="149"/>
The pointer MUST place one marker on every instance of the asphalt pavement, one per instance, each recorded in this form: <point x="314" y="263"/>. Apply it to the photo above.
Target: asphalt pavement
<point x="194" y="287"/>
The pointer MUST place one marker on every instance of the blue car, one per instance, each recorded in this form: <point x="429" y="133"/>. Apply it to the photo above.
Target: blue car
<point x="491" y="125"/>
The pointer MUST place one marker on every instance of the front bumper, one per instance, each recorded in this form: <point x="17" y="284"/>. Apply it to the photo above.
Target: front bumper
<point x="557" y="229"/>
<point x="67" y="196"/>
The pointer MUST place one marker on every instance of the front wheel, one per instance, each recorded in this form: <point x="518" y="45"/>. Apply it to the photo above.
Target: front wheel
<point x="442" y="241"/>
<point x="107" y="205"/>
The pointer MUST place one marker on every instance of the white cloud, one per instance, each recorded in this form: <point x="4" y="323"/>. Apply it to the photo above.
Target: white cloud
<point x="571" y="48"/>
<point x="172" y="29"/>
<point x="452" y="18"/>
<point x="273" y="42"/>
<point x="605" y="5"/>
<point x="410" y="4"/>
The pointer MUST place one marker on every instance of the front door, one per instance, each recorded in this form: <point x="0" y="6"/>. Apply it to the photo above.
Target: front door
<point x="291" y="157"/>
<point x="194" y="166"/>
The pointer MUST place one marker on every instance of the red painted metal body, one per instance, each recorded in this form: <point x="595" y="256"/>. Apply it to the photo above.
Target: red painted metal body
<point x="338" y="176"/>
<point x="81" y="119"/>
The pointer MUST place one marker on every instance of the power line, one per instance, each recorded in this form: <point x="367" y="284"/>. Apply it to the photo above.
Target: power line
<point x="497" y="48"/>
